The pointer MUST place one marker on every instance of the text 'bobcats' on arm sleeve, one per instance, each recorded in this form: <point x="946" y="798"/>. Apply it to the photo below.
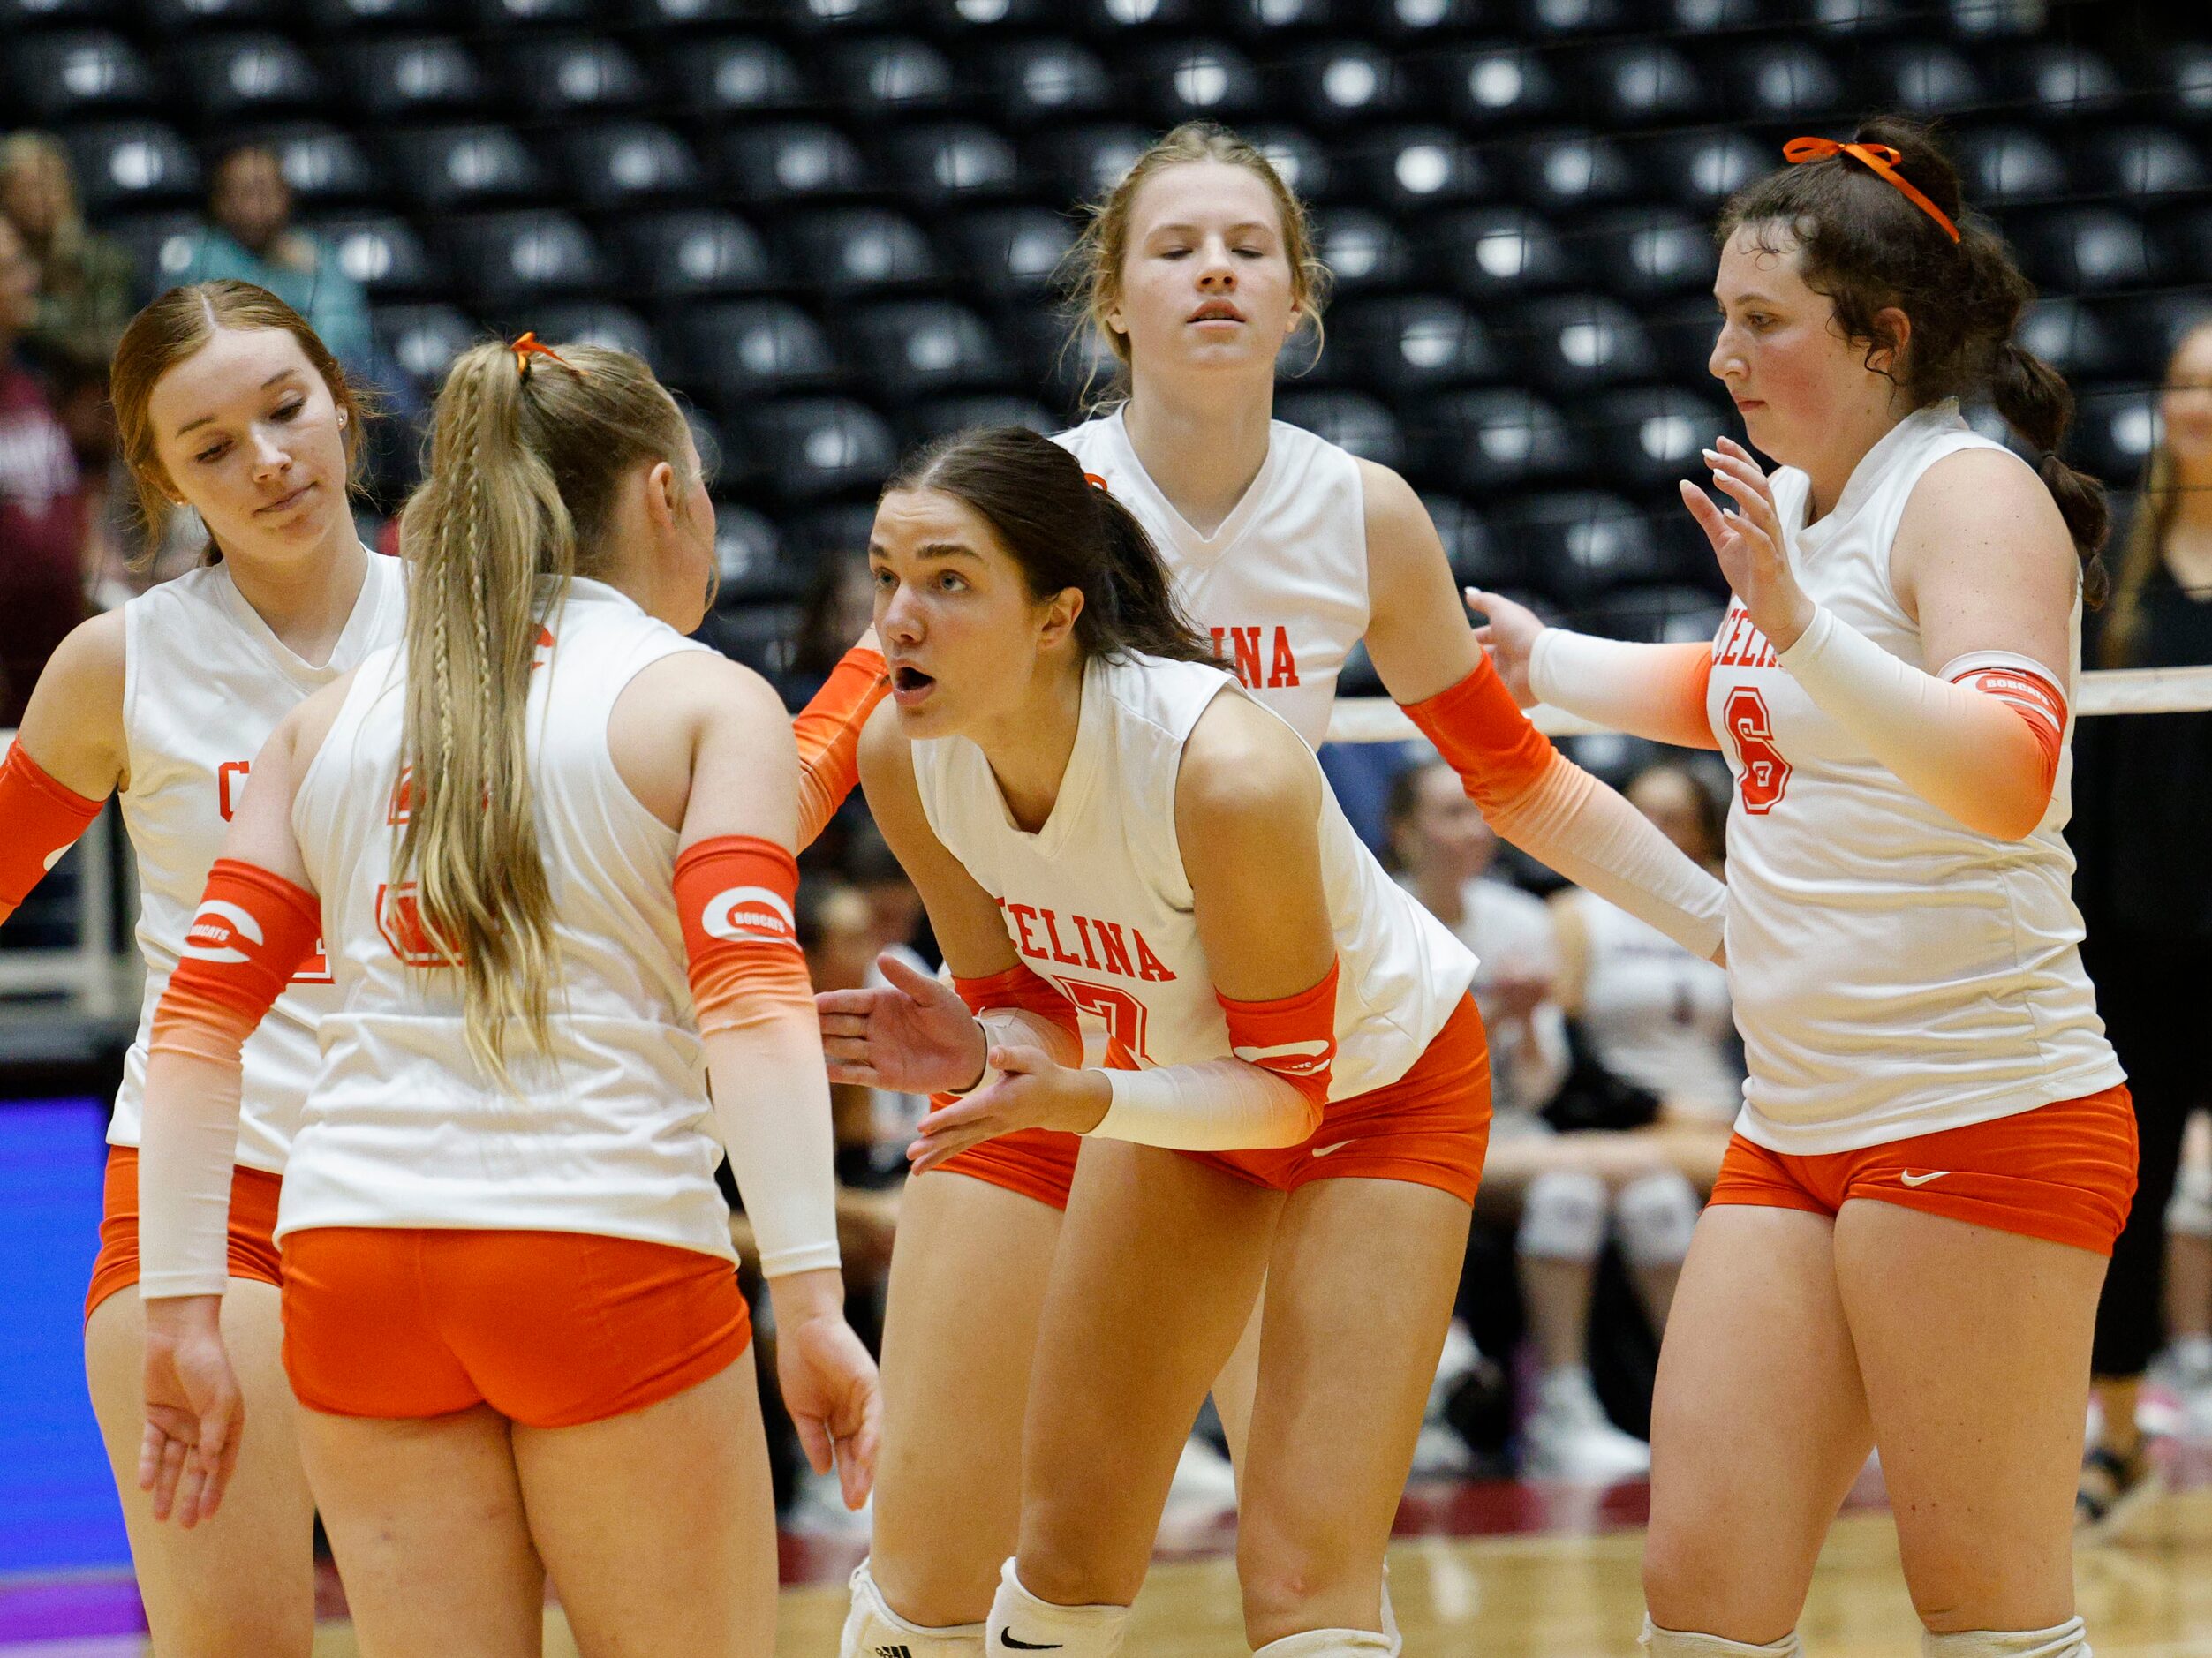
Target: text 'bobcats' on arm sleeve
<point x="829" y="733"/>
<point x="763" y="1044"/>
<point x="39" y="821"/>
<point x="1272" y="1093"/>
<point x="1556" y="812"/>
<point x="1648" y="691"/>
<point x="248" y="937"/>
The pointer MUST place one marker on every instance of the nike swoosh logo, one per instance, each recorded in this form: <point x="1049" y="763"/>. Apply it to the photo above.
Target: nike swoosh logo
<point x="1910" y="1179"/>
<point x="1027" y="1645"/>
<point x="1323" y="1152"/>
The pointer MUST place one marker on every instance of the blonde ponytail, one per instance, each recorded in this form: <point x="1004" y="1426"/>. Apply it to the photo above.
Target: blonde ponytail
<point x="525" y="461"/>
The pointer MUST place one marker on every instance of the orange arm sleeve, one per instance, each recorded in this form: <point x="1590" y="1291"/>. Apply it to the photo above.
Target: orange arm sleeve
<point x="1485" y="737"/>
<point x="248" y="937"/>
<point x="42" y="820"/>
<point x="1293" y="1037"/>
<point x="829" y="733"/>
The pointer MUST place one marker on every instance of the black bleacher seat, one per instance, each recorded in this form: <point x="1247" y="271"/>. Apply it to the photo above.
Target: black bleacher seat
<point x="2152" y="326"/>
<point x="887" y="78"/>
<point x="78" y="75"/>
<point x="836" y="17"/>
<point x="822" y="446"/>
<point x="2183" y="76"/>
<point x="1070" y="366"/>
<point x="1033" y="83"/>
<point x="130" y="166"/>
<point x="596" y="323"/>
<point x="2141" y="162"/>
<point x="1364" y="250"/>
<point x="1929" y="78"/>
<point x="1490" y="439"/>
<point x="571" y="77"/>
<point x="1304" y="165"/>
<point x="974" y="16"/>
<point x="1084" y="163"/>
<point x="737" y="77"/>
<point x="161" y="244"/>
<point x="25" y="14"/>
<point x="950" y="162"/>
<point x="447" y="169"/>
<point x="835" y="529"/>
<point x="2002" y="165"/>
<point x="907" y="350"/>
<point x="501" y="15"/>
<point x="1563" y="19"/>
<point x="403" y="79"/>
<point x="189" y="17"/>
<point x="2083" y="250"/>
<point x="1339" y="83"/>
<point x="1008" y="252"/>
<point x="1497" y="85"/>
<point x="502" y="262"/>
<point x="424" y="340"/>
<point x="1646" y="616"/>
<point x="384" y="253"/>
<point x="1700" y="170"/>
<point x="737" y="351"/>
<point x="1613" y="758"/>
<point x="2076" y="339"/>
<point x="1567" y="171"/>
<point x="323" y="166"/>
<point x="1414" y="170"/>
<point x="689" y="254"/>
<point x="1195" y="81"/>
<point x="246" y="77"/>
<point x="1860" y="17"/>
<point x="344" y="17"/>
<point x="1682" y="332"/>
<point x="1267" y="22"/>
<point x="628" y="164"/>
<point x="1650" y="436"/>
<point x="2059" y="83"/>
<point x="1351" y="421"/>
<point x="1399" y="346"/>
<point x="1491" y="253"/>
<point x="1568" y="344"/>
<point x="1121" y="22"/>
<point x="1704" y="17"/>
<point x="925" y="422"/>
<point x="1646" y="253"/>
<point x="1577" y="544"/>
<point x="1784" y="82"/>
<point x="788" y="161"/>
<point x="850" y="250"/>
<point x="748" y="558"/>
<point x="725" y="465"/>
<point x="2114" y="430"/>
<point x="1645" y="84"/>
<point x="1477" y="558"/>
<point x="2184" y="243"/>
<point x="762" y="637"/>
<point x="678" y="15"/>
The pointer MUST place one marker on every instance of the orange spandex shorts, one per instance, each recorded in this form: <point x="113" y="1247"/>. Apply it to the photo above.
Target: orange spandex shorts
<point x="550" y="1329"/>
<point x="1431" y="1127"/>
<point x="2065" y="1172"/>
<point x="254" y="1193"/>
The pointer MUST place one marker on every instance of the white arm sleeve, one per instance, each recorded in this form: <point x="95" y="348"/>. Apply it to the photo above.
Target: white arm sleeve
<point x="772" y="1107"/>
<point x="187" y="1144"/>
<point x="1215" y="1105"/>
<point x="1571" y="822"/>
<point x="1649" y="690"/>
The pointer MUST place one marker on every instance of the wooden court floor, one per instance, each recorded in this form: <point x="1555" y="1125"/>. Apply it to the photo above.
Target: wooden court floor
<point x="2149" y="1596"/>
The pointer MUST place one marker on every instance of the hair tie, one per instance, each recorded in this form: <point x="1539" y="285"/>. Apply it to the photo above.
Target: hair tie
<point x="528" y="347"/>
<point x="1880" y="158"/>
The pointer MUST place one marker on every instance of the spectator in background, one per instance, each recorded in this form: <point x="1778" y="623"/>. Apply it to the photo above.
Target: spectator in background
<point x="252" y="239"/>
<point x="1566" y="1192"/>
<point x="2142" y="796"/>
<point x="1652" y="1013"/>
<point x="86" y="280"/>
<point x="42" y="528"/>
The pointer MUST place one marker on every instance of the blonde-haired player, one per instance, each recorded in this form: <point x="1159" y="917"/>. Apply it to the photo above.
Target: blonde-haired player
<point x="511" y="1314"/>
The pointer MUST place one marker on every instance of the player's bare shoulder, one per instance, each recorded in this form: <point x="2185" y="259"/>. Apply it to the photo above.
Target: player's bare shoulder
<point x="1242" y="769"/>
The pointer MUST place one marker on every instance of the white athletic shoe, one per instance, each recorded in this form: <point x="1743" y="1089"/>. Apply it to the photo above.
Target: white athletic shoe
<point x="1203" y="1475"/>
<point x="1568" y="1438"/>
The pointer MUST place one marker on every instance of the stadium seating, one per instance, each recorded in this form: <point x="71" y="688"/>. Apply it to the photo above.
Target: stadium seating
<point x="839" y="227"/>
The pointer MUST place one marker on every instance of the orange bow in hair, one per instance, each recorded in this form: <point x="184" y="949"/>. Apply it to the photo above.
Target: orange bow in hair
<point x="528" y="347"/>
<point x="1879" y="157"/>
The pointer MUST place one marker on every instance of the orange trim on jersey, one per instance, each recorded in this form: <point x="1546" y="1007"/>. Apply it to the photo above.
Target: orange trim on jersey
<point x="1293" y="1037"/>
<point x="251" y="931"/>
<point x="735" y="895"/>
<point x="2038" y="702"/>
<point x="1024" y="990"/>
<point x="253" y="1228"/>
<point x="828" y="732"/>
<point x="43" y="820"/>
<point x="1483" y="736"/>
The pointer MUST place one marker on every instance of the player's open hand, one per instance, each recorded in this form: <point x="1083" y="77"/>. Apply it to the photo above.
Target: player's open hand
<point x="1033" y="1091"/>
<point x="914" y="1037"/>
<point x="1509" y="635"/>
<point x="1748" y="541"/>
<point x="194" y="1412"/>
<point x="832" y="1391"/>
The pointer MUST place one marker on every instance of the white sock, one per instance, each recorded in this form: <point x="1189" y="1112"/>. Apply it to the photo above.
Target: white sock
<point x="1654" y="1216"/>
<point x="872" y="1630"/>
<point x="1021" y="1622"/>
<point x="1562" y="1217"/>
<point x="1682" y="1643"/>
<point x="2069" y="1639"/>
<point x="1390" y="1617"/>
<point x="1328" y="1643"/>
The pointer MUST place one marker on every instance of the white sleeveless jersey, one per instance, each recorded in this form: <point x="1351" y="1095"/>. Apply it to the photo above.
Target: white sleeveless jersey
<point x="204" y="684"/>
<point x="609" y="1134"/>
<point x="1657" y="1015"/>
<point x="1894" y="973"/>
<point x="1282" y="585"/>
<point x="1097" y="902"/>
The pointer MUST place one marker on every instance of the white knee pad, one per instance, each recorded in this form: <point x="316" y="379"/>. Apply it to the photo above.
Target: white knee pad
<point x="1682" y="1643"/>
<point x="2069" y="1639"/>
<point x="2190" y="1213"/>
<point x="1563" y="1217"/>
<point x="872" y="1630"/>
<point x="1654" y="1216"/>
<point x="1328" y="1643"/>
<point x="1021" y="1622"/>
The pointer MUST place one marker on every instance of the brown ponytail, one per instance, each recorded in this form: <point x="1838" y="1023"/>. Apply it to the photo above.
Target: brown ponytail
<point x="1864" y="245"/>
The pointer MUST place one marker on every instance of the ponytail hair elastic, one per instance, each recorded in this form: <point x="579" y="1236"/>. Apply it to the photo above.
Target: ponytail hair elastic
<point x="1878" y="158"/>
<point x="529" y="346"/>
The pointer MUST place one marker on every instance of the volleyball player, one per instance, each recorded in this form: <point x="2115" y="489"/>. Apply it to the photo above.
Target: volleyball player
<point x="1288" y="552"/>
<point x="1936" y="1150"/>
<point x="228" y="402"/>
<point x="512" y="1316"/>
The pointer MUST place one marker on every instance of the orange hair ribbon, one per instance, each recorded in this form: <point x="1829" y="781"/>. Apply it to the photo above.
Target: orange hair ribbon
<point x="1879" y="158"/>
<point x="528" y="347"/>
